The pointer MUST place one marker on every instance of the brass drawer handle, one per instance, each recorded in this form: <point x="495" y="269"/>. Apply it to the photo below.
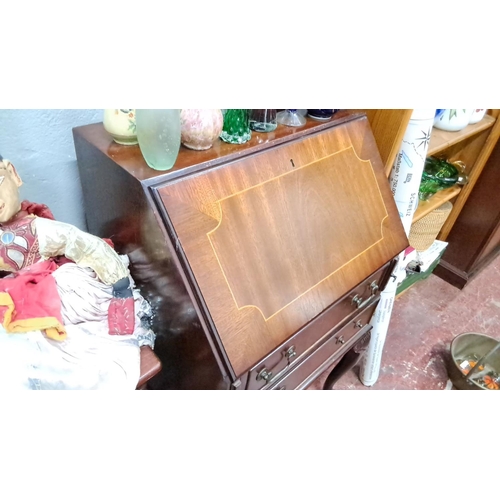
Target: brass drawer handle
<point x="267" y="376"/>
<point x="290" y="353"/>
<point x="340" y="340"/>
<point x="360" y="303"/>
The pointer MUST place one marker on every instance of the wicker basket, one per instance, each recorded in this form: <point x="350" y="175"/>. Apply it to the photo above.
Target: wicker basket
<point x="424" y="231"/>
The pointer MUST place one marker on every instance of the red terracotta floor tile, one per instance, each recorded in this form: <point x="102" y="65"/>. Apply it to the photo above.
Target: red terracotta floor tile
<point x="424" y="321"/>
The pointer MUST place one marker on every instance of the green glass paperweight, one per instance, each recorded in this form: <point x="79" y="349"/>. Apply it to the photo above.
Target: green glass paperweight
<point x="236" y="128"/>
<point x="440" y="174"/>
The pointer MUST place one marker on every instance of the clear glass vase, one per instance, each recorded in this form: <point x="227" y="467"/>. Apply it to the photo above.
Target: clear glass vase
<point x="263" y="120"/>
<point x="159" y="136"/>
<point x="236" y="127"/>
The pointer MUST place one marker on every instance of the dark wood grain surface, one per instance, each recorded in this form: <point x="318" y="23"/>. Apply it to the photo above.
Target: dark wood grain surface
<point x="274" y="238"/>
<point x="475" y="237"/>
<point x="150" y="366"/>
<point x="240" y="247"/>
<point x="319" y="330"/>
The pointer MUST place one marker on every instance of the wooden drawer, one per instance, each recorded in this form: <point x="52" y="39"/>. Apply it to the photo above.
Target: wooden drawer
<point x="293" y="351"/>
<point x="302" y="374"/>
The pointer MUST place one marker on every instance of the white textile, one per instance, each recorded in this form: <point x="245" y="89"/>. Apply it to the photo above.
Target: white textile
<point x="89" y="358"/>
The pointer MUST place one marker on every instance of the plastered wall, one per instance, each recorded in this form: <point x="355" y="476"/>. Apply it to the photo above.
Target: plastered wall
<point x="39" y="142"/>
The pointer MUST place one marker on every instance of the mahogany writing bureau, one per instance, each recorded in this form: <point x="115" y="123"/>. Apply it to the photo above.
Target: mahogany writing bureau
<point x="263" y="262"/>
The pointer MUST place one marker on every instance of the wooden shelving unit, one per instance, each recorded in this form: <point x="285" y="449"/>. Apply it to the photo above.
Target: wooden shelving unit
<point x="480" y="152"/>
<point x="472" y="145"/>
<point x="441" y="139"/>
<point x="426" y="207"/>
<point x="474" y="240"/>
<point x="389" y="127"/>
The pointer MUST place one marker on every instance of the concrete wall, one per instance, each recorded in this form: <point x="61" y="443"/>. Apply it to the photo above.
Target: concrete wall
<point x="39" y="142"/>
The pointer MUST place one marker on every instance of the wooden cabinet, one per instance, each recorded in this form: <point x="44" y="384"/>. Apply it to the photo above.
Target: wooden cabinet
<point x="474" y="238"/>
<point x="263" y="262"/>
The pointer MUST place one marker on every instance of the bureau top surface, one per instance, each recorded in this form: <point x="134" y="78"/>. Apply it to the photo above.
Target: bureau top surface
<point x="189" y="161"/>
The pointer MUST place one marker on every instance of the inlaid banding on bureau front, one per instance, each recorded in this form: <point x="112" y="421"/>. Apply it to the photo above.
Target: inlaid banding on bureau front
<point x="315" y="239"/>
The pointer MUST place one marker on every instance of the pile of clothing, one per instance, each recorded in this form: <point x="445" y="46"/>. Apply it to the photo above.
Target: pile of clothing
<point x="88" y="357"/>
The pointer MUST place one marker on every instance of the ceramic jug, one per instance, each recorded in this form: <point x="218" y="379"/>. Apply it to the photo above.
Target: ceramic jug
<point x="477" y="115"/>
<point x="453" y="120"/>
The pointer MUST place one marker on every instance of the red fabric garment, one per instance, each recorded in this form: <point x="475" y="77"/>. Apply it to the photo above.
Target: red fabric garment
<point x="38" y="209"/>
<point x="24" y="307"/>
<point x="121" y="316"/>
<point x="30" y="301"/>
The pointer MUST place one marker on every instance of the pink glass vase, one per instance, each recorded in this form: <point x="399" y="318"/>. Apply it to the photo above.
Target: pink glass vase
<point x="200" y="128"/>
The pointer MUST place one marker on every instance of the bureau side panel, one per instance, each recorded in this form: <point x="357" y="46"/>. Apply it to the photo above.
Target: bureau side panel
<point x="117" y="207"/>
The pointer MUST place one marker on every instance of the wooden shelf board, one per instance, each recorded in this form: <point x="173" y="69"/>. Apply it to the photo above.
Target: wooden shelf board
<point x="441" y="139"/>
<point x="425" y="207"/>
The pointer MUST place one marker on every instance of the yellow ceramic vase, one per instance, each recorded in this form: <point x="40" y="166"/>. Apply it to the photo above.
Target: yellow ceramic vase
<point x="120" y="124"/>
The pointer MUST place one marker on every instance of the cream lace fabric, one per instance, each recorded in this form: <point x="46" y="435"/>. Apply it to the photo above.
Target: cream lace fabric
<point x="58" y="238"/>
